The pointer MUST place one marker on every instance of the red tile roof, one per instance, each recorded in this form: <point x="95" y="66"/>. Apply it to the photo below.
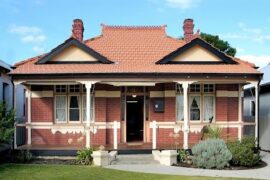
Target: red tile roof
<point x="134" y="49"/>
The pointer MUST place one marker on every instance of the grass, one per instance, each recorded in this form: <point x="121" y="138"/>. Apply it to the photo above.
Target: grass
<point x="37" y="171"/>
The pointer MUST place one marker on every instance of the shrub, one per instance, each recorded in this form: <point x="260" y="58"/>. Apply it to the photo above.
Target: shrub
<point x="243" y="152"/>
<point x="24" y="156"/>
<point x="6" y="123"/>
<point x="84" y="156"/>
<point x="184" y="156"/>
<point x="211" y="132"/>
<point x="211" y="153"/>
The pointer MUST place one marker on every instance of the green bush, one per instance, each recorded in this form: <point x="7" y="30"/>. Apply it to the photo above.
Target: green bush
<point x="211" y="153"/>
<point x="6" y="123"/>
<point x="24" y="156"/>
<point x="243" y="152"/>
<point x="211" y="132"/>
<point x="84" y="156"/>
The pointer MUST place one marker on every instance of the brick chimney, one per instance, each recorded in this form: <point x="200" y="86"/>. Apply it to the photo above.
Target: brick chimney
<point x="188" y="27"/>
<point x="77" y="29"/>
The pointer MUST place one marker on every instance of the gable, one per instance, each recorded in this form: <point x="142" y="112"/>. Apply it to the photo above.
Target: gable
<point x="196" y="51"/>
<point x="73" y="54"/>
<point x="73" y="51"/>
<point x="196" y="54"/>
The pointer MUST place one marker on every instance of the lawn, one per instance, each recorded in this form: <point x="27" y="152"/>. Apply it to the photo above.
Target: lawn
<point x="35" y="171"/>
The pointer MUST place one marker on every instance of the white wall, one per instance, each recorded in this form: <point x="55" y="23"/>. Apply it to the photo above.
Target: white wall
<point x="264" y="126"/>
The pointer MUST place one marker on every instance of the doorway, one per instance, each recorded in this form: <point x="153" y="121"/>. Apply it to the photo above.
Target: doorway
<point x="134" y="118"/>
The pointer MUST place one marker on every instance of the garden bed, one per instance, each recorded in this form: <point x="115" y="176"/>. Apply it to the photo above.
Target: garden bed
<point x="261" y="164"/>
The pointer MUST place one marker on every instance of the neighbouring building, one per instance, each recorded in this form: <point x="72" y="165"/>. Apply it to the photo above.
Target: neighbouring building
<point x="264" y="106"/>
<point x="132" y="86"/>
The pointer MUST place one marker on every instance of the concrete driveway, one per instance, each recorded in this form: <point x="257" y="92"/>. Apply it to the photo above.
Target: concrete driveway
<point x="261" y="173"/>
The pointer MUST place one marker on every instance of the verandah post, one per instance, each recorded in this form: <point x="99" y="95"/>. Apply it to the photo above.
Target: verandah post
<point x="88" y="86"/>
<point x="115" y="134"/>
<point x="154" y="135"/>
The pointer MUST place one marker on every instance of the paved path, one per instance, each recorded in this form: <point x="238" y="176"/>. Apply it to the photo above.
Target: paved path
<point x="262" y="173"/>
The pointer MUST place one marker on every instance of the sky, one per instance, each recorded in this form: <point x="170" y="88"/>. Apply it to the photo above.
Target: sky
<point x="32" y="27"/>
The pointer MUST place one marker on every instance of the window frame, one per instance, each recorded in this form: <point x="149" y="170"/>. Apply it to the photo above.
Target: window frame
<point x="68" y="94"/>
<point x="214" y="106"/>
<point x="189" y="107"/>
<point x="178" y="89"/>
<point x="55" y="109"/>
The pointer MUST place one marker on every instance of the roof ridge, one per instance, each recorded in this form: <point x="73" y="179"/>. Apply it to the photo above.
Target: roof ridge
<point x="133" y="26"/>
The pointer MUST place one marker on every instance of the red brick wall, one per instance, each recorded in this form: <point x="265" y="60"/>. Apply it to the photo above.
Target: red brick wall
<point x="109" y="136"/>
<point x="42" y="109"/>
<point x="229" y="133"/>
<point x="170" y="111"/>
<point x="227" y="107"/>
<point x="194" y="138"/>
<point x="100" y="109"/>
<point x="232" y="109"/>
<point x="113" y="109"/>
<point x="45" y="137"/>
<point x="221" y="108"/>
<point x="165" y="138"/>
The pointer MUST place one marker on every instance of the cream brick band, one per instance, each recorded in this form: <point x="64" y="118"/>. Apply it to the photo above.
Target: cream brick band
<point x="220" y="93"/>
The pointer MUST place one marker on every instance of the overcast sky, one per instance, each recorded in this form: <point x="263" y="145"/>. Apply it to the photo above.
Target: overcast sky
<point x="32" y="27"/>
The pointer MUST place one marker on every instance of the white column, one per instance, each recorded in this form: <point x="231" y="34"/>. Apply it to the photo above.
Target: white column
<point x="240" y="110"/>
<point x="115" y="135"/>
<point x="88" y="114"/>
<point x="29" y="115"/>
<point x="186" y="122"/>
<point x="154" y="135"/>
<point x="256" y="110"/>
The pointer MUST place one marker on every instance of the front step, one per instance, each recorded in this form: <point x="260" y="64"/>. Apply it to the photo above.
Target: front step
<point x="134" y="151"/>
<point x="134" y="159"/>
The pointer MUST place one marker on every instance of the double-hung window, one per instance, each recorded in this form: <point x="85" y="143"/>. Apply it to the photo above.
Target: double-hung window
<point x="70" y="104"/>
<point x="201" y="102"/>
<point x="179" y="103"/>
<point x="61" y="103"/>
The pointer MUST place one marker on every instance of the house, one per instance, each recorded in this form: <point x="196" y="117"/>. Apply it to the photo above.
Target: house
<point x="7" y="90"/>
<point x="132" y="87"/>
<point x="6" y="86"/>
<point x="264" y="113"/>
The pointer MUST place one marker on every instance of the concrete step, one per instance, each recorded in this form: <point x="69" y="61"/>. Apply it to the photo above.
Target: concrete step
<point x="134" y="159"/>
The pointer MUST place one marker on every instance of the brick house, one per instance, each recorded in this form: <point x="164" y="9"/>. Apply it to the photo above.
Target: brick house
<point x="132" y="86"/>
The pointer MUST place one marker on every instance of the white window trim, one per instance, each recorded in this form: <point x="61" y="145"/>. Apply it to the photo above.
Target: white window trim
<point x="61" y="92"/>
<point x="80" y="118"/>
<point x="60" y="122"/>
<point x="214" y="106"/>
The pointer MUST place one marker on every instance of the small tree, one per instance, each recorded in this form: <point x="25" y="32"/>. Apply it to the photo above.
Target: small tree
<point x="7" y="118"/>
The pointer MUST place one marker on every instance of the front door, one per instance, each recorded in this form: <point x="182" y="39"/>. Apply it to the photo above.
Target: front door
<point x="134" y="117"/>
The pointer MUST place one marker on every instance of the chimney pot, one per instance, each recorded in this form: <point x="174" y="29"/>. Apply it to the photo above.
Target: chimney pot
<point x="77" y="29"/>
<point x="188" y="28"/>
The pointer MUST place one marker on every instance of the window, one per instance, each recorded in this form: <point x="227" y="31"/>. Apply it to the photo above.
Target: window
<point x="195" y="108"/>
<point x="60" y="88"/>
<point x="60" y="111"/>
<point x="252" y="108"/>
<point x="208" y="108"/>
<point x="208" y="88"/>
<point x="195" y="88"/>
<point x="179" y="103"/>
<point x="70" y="103"/>
<point x="5" y="92"/>
<point x="74" y="108"/>
<point x="74" y="88"/>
